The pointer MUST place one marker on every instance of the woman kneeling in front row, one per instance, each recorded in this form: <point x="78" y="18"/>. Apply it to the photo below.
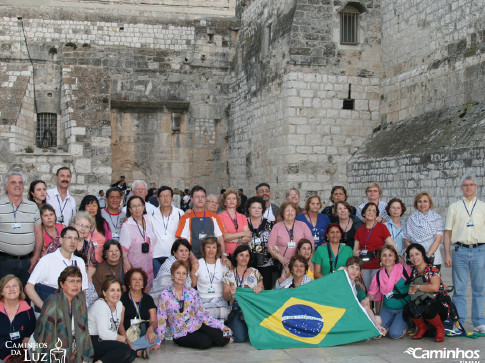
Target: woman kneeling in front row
<point x="104" y="322"/>
<point x="190" y="322"/>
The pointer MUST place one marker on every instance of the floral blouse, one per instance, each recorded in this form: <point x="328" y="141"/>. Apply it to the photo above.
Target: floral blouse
<point x="248" y="282"/>
<point x="183" y="316"/>
<point x="428" y="273"/>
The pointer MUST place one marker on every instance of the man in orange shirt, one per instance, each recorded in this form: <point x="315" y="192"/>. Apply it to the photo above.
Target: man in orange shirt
<point x="199" y="223"/>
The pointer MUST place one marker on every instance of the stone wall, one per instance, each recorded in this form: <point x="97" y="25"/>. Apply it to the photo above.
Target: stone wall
<point x="431" y="55"/>
<point x="433" y="106"/>
<point x="287" y="125"/>
<point x="99" y="70"/>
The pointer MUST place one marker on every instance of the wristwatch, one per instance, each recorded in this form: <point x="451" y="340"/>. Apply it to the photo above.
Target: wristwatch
<point x="419" y="287"/>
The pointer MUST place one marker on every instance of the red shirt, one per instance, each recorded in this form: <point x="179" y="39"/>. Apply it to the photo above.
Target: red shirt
<point x="374" y="242"/>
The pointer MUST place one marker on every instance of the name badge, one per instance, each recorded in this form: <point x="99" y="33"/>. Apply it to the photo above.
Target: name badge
<point x="16" y="225"/>
<point x="257" y="241"/>
<point x="470" y="224"/>
<point x="60" y="220"/>
<point x="15" y="335"/>
<point x="389" y="295"/>
<point x="291" y="244"/>
<point x="95" y="244"/>
<point x="316" y="239"/>
<point x="211" y="290"/>
<point x="116" y="236"/>
<point x="202" y="236"/>
<point x="363" y="252"/>
<point x="135" y="321"/>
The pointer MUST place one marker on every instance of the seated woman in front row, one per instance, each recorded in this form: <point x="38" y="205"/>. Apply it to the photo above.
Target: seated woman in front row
<point x="17" y="319"/>
<point x="298" y="268"/>
<point x="70" y="325"/>
<point x="104" y="322"/>
<point x="389" y="284"/>
<point x="190" y="322"/>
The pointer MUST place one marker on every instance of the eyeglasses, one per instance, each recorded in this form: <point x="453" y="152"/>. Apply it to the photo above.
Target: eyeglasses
<point x="83" y="226"/>
<point x="468" y="185"/>
<point x="199" y="197"/>
<point x="137" y="206"/>
<point x="263" y="191"/>
<point x="74" y="281"/>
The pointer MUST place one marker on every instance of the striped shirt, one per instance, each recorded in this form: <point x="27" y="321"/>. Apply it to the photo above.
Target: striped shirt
<point x="17" y="236"/>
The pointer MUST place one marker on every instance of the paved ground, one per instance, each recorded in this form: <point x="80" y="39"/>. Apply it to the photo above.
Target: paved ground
<point x="375" y="351"/>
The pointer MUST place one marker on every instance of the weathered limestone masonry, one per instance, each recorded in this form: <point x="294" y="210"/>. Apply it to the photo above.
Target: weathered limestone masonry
<point x="433" y="102"/>
<point x="289" y="79"/>
<point x="138" y="89"/>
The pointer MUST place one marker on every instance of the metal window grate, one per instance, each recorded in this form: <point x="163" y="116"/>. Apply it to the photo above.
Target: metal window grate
<point x="349" y="21"/>
<point x="46" y="129"/>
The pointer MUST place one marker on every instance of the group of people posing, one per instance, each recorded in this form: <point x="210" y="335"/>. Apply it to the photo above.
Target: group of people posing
<point x="113" y="283"/>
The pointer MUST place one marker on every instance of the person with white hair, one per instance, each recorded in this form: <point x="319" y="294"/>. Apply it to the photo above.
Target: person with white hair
<point x="140" y="189"/>
<point x="21" y="234"/>
<point x="464" y="242"/>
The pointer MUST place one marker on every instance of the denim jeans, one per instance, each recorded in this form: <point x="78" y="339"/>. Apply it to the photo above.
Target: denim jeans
<point x="469" y="262"/>
<point x="157" y="263"/>
<point x="18" y="267"/>
<point x="142" y="342"/>
<point x="394" y="321"/>
<point x="239" y="329"/>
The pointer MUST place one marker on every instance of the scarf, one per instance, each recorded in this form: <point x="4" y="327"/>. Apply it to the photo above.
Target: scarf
<point x="388" y="282"/>
<point x="55" y="323"/>
<point x="422" y="227"/>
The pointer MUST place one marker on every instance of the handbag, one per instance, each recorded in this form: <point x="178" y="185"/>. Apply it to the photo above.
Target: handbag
<point x="134" y="331"/>
<point x="420" y="300"/>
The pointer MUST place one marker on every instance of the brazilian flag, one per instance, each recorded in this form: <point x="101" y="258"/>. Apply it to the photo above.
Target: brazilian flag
<point x="322" y="313"/>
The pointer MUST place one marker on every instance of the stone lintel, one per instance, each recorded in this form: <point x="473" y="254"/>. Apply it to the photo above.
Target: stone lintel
<point x="150" y="106"/>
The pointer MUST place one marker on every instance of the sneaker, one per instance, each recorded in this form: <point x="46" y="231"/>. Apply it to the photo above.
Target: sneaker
<point x="479" y="329"/>
<point x="168" y="335"/>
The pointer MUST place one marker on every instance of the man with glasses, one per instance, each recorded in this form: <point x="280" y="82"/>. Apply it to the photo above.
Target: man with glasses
<point x="165" y="221"/>
<point x="195" y="225"/>
<point x="263" y="190"/>
<point x="212" y="203"/>
<point x="21" y="236"/>
<point x="59" y="197"/>
<point x="140" y="189"/>
<point x="112" y="214"/>
<point x="44" y="279"/>
<point x="465" y="237"/>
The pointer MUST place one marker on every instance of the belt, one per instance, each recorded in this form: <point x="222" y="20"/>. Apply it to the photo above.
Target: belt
<point x="3" y="254"/>
<point x="468" y="245"/>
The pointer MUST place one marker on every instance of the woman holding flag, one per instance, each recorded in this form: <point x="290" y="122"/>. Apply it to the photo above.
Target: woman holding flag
<point x="241" y="276"/>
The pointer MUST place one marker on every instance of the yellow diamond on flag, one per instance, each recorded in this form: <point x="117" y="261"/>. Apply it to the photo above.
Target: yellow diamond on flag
<point x="302" y="320"/>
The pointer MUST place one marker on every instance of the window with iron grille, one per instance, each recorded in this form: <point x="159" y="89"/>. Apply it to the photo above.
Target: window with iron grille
<point x="46" y="130"/>
<point x="349" y="26"/>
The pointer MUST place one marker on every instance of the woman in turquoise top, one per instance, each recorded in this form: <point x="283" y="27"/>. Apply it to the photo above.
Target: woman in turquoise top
<point x="389" y="284"/>
<point x="332" y="255"/>
<point x="395" y="209"/>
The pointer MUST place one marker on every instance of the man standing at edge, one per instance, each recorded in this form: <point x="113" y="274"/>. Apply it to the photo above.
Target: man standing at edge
<point x="165" y="221"/>
<point x="21" y="235"/>
<point x="60" y="199"/>
<point x="112" y="214"/>
<point x="199" y="223"/>
<point x="263" y="190"/>
<point x="465" y="229"/>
